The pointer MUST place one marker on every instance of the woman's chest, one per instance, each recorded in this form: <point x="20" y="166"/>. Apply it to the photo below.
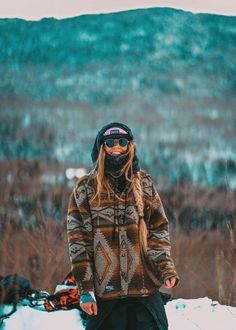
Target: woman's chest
<point x="109" y="214"/>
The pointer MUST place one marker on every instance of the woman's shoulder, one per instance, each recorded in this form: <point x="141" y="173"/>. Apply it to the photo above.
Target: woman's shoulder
<point x="145" y="175"/>
<point x="87" y="179"/>
<point x="147" y="182"/>
<point x="81" y="181"/>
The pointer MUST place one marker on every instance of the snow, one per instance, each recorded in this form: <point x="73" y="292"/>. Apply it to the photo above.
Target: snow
<point x="201" y="313"/>
<point x="189" y="314"/>
<point x="27" y="318"/>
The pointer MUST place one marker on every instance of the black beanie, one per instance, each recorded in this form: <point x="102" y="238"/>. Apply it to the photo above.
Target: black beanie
<point x="124" y="131"/>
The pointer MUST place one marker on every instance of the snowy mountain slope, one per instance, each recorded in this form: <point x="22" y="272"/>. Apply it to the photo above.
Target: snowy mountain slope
<point x="167" y="73"/>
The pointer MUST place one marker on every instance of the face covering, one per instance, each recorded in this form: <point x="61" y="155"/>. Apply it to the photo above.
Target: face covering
<point x="113" y="164"/>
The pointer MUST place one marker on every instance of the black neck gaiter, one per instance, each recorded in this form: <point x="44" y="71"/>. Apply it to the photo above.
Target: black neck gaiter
<point x="113" y="166"/>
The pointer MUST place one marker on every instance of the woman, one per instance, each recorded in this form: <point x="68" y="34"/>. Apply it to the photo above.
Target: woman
<point x="118" y="238"/>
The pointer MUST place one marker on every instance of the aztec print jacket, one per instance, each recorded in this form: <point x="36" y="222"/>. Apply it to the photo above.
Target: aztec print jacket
<point x="103" y="241"/>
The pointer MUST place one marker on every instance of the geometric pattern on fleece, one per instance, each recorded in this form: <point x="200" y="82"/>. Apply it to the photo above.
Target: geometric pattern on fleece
<point x="105" y="261"/>
<point x="104" y="241"/>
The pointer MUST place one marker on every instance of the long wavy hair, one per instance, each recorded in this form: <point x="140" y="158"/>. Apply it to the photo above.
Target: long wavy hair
<point x="133" y="178"/>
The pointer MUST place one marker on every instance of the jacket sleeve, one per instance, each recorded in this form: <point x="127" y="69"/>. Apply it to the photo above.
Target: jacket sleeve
<point x="80" y="239"/>
<point x="158" y="241"/>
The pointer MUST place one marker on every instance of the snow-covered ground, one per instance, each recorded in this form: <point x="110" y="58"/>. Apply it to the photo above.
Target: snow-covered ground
<point x="189" y="314"/>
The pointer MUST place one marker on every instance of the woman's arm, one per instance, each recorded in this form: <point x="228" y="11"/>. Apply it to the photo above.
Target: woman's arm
<point x="80" y="239"/>
<point x="88" y="303"/>
<point x="158" y="241"/>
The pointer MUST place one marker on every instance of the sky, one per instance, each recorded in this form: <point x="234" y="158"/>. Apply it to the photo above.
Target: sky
<point x="36" y="9"/>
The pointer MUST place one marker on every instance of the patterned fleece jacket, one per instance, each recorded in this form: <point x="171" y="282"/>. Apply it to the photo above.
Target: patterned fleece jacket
<point x="104" y="245"/>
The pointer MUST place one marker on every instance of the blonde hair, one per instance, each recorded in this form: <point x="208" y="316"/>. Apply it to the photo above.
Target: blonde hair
<point x="135" y="179"/>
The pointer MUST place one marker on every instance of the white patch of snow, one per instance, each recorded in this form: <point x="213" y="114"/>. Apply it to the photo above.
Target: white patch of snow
<point x="201" y="313"/>
<point x="182" y="314"/>
<point x="61" y="151"/>
<point x="27" y="318"/>
<point x="75" y="172"/>
<point x="66" y="82"/>
<point x="26" y="120"/>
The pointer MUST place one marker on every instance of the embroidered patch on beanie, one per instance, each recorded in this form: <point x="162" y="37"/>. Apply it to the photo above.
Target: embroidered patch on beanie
<point x="114" y="130"/>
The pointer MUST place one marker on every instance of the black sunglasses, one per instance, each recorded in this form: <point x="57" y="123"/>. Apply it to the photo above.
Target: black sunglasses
<point x="111" y="142"/>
